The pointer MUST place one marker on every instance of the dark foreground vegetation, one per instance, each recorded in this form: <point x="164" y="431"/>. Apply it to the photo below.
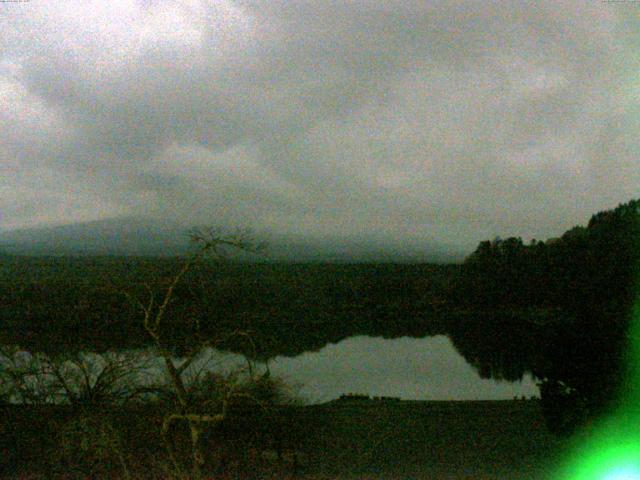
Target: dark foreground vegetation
<point x="60" y="441"/>
<point x="559" y="309"/>
<point x="444" y="440"/>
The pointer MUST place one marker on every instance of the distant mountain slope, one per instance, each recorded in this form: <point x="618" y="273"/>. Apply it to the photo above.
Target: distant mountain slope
<point x="117" y="236"/>
<point x="142" y="236"/>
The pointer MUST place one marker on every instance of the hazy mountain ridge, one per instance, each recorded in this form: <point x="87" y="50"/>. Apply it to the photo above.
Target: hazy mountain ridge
<point x="141" y="236"/>
<point x="115" y="236"/>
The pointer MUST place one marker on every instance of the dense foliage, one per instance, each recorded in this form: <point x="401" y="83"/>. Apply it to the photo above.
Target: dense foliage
<point x="559" y="309"/>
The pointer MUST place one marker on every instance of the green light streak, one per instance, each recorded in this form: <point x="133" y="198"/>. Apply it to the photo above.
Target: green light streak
<point x="610" y="449"/>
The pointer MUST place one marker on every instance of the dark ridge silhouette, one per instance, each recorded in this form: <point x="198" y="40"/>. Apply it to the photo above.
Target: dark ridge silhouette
<point x="142" y="236"/>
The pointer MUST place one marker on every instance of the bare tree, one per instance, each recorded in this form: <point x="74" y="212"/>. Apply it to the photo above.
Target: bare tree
<point x="212" y="244"/>
<point x="110" y="378"/>
<point x="86" y="381"/>
<point x="21" y="380"/>
<point x="75" y="378"/>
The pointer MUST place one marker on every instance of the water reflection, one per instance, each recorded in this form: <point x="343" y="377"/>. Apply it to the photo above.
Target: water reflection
<point x="411" y="368"/>
<point x="427" y="368"/>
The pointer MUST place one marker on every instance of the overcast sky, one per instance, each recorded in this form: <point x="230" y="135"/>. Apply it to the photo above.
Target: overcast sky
<point x="446" y="121"/>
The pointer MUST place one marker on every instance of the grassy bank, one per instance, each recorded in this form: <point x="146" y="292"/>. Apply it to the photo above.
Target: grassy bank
<point x="349" y="439"/>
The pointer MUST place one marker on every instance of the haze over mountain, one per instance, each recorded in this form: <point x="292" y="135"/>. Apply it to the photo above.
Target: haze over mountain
<point x="157" y="237"/>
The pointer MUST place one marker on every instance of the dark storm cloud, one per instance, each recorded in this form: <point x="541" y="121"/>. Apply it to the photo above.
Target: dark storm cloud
<point x="452" y="121"/>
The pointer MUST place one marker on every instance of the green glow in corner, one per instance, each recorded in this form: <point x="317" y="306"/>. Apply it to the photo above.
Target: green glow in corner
<point x="623" y="473"/>
<point x="610" y="450"/>
<point x="602" y="461"/>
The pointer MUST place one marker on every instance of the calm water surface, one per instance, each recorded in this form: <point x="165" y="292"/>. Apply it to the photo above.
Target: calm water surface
<point x="411" y="368"/>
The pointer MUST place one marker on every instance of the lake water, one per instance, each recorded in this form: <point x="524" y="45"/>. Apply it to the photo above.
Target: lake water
<point x="411" y="368"/>
<point x="427" y="368"/>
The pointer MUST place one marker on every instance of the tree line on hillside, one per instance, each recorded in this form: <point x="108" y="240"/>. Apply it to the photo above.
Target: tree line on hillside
<point x="560" y="309"/>
<point x="61" y="303"/>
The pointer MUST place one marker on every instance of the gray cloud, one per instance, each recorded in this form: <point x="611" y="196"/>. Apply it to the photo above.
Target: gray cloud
<point x="447" y="121"/>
